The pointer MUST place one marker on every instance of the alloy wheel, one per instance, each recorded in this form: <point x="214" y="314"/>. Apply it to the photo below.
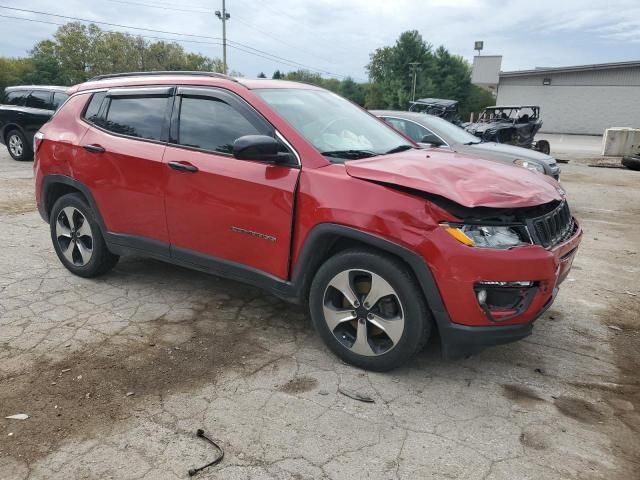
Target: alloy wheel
<point x="74" y="236"/>
<point x="363" y="312"/>
<point x="15" y="145"/>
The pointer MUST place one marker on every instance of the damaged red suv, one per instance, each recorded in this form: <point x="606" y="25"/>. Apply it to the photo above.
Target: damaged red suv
<point x="296" y="190"/>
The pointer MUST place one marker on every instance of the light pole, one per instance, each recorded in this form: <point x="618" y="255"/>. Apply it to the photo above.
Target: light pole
<point x="414" y="67"/>
<point x="224" y="16"/>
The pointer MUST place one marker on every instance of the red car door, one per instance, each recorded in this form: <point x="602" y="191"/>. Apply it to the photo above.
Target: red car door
<point x="221" y="210"/>
<point x="121" y="161"/>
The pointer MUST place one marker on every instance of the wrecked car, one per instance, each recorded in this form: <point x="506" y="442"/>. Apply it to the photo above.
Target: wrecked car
<point x="439" y="107"/>
<point x="294" y="189"/>
<point x="513" y="124"/>
<point x="431" y="131"/>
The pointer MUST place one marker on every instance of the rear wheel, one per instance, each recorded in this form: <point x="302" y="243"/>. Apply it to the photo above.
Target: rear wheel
<point x="369" y="309"/>
<point x="18" y="147"/>
<point x="77" y="238"/>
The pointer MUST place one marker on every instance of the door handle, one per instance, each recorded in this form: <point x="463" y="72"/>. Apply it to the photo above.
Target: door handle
<point x="183" y="167"/>
<point x="93" y="148"/>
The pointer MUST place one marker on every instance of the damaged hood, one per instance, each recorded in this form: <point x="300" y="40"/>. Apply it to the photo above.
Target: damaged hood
<point x="468" y="181"/>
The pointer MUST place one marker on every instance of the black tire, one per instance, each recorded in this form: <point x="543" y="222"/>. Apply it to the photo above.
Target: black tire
<point x="416" y="316"/>
<point x="632" y="163"/>
<point x="101" y="260"/>
<point x="543" y="147"/>
<point x="22" y="150"/>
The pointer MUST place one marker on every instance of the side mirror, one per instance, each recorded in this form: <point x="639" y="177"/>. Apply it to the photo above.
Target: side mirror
<point x="262" y="148"/>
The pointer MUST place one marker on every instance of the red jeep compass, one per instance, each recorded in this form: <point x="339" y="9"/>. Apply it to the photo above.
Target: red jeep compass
<point x="294" y="189"/>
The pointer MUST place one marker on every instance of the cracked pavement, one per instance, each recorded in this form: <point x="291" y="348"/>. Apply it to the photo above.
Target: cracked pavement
<point x="117" y="373"/>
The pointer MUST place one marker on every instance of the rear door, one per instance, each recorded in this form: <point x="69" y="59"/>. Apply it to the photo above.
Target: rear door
<point x="221" y="208"/>
<point x="121" y="162"/>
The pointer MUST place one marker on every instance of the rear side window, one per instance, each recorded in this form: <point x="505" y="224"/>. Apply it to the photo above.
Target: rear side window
<point x="39" y="99"/>
<point x="141" y="117"/>
<point x="58" y="99"/>
<point x="16" y="97"/>
<point x="91" y="113"/>
<point x="211" y="124"/>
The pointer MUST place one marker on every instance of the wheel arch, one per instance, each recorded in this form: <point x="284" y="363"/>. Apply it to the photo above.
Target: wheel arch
<point x="55" y="186"/>
<point x="328" y="239"/>
<point x="6" y="129"/>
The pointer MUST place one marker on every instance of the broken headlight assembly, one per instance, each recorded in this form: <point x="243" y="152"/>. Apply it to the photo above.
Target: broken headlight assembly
<point x="534" y="167"/>
<point x="498" y="236"/>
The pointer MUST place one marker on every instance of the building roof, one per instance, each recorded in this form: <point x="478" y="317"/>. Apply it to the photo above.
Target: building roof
<point x="436" y="101"/>
<point x="574" y="68"/>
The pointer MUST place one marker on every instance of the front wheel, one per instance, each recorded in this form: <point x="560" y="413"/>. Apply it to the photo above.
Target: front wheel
<point x="543" y="147"/>
<point x="369" y="310"/>
<point x="77" y="238"/>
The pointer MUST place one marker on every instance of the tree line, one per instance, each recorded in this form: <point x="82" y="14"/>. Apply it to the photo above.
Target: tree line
<point x="78" y="52"/>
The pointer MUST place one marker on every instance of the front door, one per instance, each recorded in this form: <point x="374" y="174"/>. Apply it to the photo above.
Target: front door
<point x="220" y="208"/>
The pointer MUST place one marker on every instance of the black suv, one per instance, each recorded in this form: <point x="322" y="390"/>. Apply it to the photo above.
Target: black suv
<point x="22" y="112"/>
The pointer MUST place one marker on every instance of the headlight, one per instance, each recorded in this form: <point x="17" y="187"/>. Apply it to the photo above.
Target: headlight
<point x="501" y="237"/>
<point x="534" y="167"/>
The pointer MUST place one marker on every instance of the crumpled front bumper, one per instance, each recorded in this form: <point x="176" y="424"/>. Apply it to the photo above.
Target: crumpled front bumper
<point x="457" y="270"/>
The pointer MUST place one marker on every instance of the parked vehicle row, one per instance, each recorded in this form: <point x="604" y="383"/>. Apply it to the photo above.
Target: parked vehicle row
<point x="296" y="190"/>
<point x="433" y="131"/>
<point x="23" y="110"/>
<point x="512" y="124"/>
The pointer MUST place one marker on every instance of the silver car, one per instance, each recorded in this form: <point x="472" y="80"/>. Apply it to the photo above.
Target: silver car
<point x="432" y="131"/>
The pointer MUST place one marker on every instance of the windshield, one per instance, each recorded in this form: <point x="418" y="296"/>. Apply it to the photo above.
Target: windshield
<point x="336" y="127"/>
<point x="451" y="132"/>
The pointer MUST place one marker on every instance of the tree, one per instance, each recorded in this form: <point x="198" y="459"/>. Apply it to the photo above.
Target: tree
<point x="262" y="75"/>
<point x="14" y="71"/>
<point x="78" y="52"/>
<point x="46" y="68"/>
<point x="439" y="74"/>
<point x="390" y="67"/>
<point x="277" y="75"/>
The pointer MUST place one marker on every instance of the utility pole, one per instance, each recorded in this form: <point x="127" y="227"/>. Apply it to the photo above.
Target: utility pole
<point x="414" y="68"/>
<point x="224" y="16"/>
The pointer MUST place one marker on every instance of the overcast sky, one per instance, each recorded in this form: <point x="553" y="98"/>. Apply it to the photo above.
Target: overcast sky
<point x="337" y="36"/>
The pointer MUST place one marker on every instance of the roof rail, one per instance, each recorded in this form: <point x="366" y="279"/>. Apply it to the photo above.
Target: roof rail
<point x="157" y="72"/>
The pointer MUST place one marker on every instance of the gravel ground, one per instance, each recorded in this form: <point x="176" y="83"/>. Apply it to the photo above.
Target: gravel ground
<point x="117" y="373"/>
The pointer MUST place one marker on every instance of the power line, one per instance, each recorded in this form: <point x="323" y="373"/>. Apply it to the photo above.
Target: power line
<point x="181" y="40"/>
<point x="237" y="44"/>
<point x="244" y="22"/>
<point x="106" y="23"/>
<point x="160" y="6"/>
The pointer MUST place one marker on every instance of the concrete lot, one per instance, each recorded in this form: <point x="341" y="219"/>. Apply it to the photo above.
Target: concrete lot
<point x="193" y="351"/>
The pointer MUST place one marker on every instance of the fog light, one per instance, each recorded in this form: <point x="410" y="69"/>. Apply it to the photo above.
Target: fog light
<point x="482" y="297"/>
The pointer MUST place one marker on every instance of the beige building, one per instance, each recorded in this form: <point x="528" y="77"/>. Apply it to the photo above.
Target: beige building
<point x="584" y="99"/>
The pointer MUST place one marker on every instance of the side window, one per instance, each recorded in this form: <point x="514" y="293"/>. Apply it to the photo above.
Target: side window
<point x="58" y="99"/>
<point x="39" y="99"/>
<point x="211" y="124"/>
<point x="412" y="130"/>
<point x="135" y="116"/>
<point x="432" y="138"/>
<point x="16" y="97"/>
<point x="398" y="124"/>
<point x="91" y="113"/>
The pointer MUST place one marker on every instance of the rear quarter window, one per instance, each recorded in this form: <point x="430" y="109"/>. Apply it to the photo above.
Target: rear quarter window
<point x="93" y="108"/>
